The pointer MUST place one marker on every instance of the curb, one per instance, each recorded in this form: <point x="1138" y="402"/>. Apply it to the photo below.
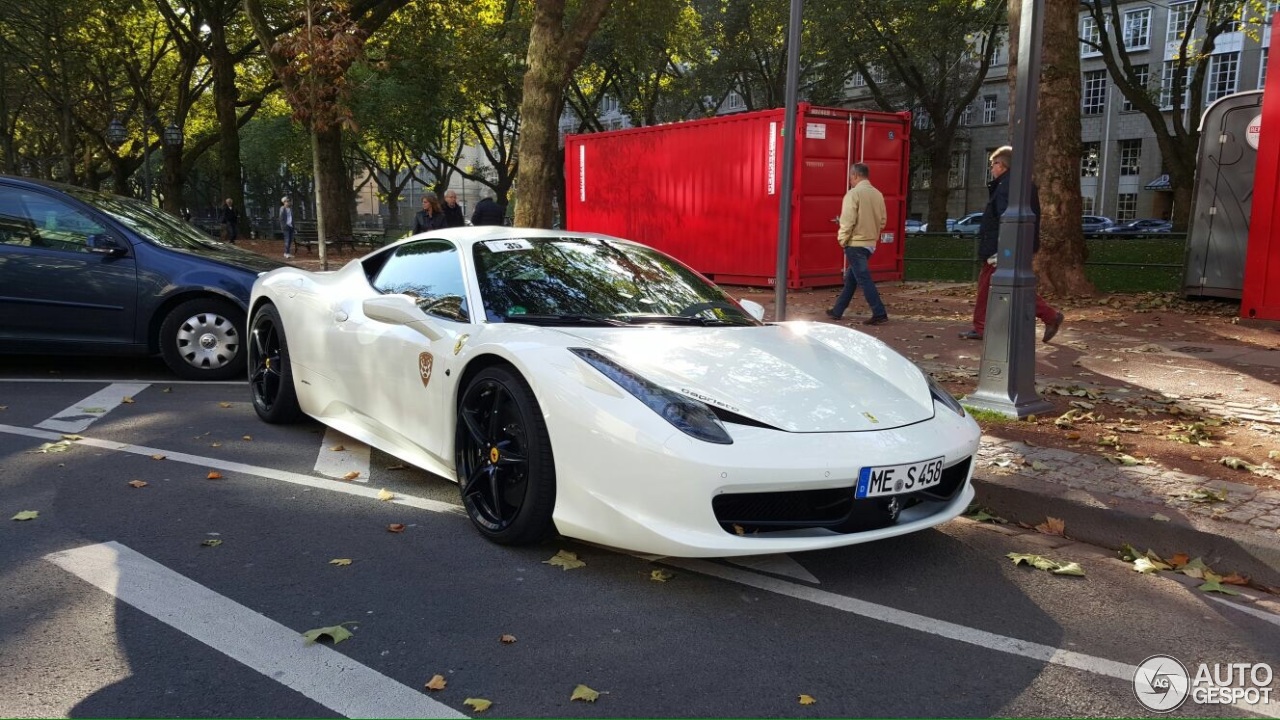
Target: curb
<point x="1111" y="522"/>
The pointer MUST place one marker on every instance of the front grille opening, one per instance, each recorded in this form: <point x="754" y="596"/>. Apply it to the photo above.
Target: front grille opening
<point x="834" y="509"/>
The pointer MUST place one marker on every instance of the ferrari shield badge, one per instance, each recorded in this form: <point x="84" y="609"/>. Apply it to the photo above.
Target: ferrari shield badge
<point x="425" y="364"/>
<point x="457" y="347"/>
<point x="871" y="417"/>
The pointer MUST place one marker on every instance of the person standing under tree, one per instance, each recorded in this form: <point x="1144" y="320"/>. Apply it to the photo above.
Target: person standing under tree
<point x="989" y="243"/>
<point x="286" y="225"/>
<point x="229" y="221"/>
<point x="452" y="210"/>
<point x="862" y="217"/>
<point x="431" y="216"/>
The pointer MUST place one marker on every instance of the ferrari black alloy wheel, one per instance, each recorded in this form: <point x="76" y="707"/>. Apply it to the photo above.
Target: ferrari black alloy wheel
<point x="505" y="468"/>
<point x="270" y="377"/>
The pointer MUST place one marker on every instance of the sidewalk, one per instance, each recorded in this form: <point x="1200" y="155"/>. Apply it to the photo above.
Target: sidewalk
<point x="1152" y="394"/>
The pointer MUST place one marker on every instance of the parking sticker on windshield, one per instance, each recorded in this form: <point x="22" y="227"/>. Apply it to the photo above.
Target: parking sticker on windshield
<point x="508" y="245"/>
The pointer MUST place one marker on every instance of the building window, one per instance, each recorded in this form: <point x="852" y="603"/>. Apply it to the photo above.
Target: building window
<point x="1179" y="20"/>
<point x="1094" y="97"/>
<point x="1141" y="76"/>
<point x="1086" y="205"/>
<point x="1126" y="206"/>
<point x="1167" y="76"/>
<point x="859" y="80"/>
<point x="1262" y="69"/>
<point x="736" y="102"/>
<point x="920" y="178"/>
<point x="966" y="117"/>
<point x="1137" y="29"/>
<point x="1089" y="154"/>
<point x="1088" y="34"/>
<point x="608" y="104"/>
<point x="988" y="109"/>
<point x="1130" y="157"/>
<point x="959" y="162"/>
<point x="922" y="119"/>
<point x="1224" y="76"/>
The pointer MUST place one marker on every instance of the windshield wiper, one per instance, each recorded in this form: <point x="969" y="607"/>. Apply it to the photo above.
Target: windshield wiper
<point x="548" y="319"/>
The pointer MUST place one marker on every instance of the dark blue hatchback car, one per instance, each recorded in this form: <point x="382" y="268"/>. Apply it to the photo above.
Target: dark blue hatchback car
<point x="88" y="272"/>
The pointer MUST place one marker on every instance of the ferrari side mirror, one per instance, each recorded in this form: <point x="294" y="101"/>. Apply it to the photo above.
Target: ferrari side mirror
<point x="400" y="310"/>
<point x="753" y="308"/>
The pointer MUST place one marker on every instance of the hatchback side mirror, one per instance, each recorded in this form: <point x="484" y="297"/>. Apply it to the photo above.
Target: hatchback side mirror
<point x="104" y="245"/>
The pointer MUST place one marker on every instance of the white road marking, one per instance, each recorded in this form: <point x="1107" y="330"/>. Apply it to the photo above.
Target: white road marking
<point x="924" y="624"/>
<point x="228" y="466"/>
<point x="354" y="456"/>
<point x="1260" y="614"/>
<point x="77" y="418"/>
<point x="321" y="673"/>
<point x="776" y="565"/>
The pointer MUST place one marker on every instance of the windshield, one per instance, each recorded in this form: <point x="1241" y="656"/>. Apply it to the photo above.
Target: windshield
<point x="157" y="226"/>
<point x="570" y="279"/>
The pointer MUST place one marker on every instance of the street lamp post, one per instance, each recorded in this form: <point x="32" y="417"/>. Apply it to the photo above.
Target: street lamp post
<point x="1007" y="379"/>
<point x="782" y="273"/>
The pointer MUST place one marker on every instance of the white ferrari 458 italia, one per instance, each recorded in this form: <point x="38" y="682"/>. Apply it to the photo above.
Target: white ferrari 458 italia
<point x="596" y="387"/>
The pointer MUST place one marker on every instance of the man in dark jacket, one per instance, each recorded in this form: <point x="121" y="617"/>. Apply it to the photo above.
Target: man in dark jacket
<point x="487" y="212"/>
<point x="989" y="243"/>
<point x="452" y="210"/>
<point x="229" y="220"/>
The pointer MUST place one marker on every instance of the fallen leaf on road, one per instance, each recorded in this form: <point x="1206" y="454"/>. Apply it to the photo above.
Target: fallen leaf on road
<point x="247" y="438"/>
<point x="73" y="438"/>
<point x="395" y="527"/>
<point x="478" y="704"/>
<point x="94" y="410"/>
<point x="1236" y="463"/>
<point x="565" y="560"/>
<point x="507" y="639"/>
<point x="336" y="633"/>
<point x="157" y="457"/>
<point x="1204" y="495"/>
<point x="126" y="400"/>
<point x="214" y="475"/>
<point x="340" y="562"/>
<point x="1148" y="566"/>
<point x="217" y="444"/>
<point x="1123" y="459"/>
<point x="338" y="448"/>
<point x="1179" y="560"/>
<point x="1218" y="587"/>
<point x="1041" y="562"/>
<point x="351" y="475"/>
<point x="585" y="694"/>
<point x="53" y="447"/>
<point x="437" y="682"/>
<point x="1236" y="579"/>
<point x="931" y="356"/>
<point x="807" y="699"/>
<point x="1052" y="526"/>
<point x="385" y="495"/>
<point x="660" y="576"/>
<point x="168" y="390"/>
<point x="211" y="543"/>
<point x="138" y="483"/>
<point x="1194" y="569"/>
<point x="1160" y="518"/>
<point x="224" y="404"/>
<point x="27" y="515"/>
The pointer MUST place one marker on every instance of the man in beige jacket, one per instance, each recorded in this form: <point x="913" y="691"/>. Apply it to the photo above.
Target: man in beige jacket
<point x="862" y="217"/>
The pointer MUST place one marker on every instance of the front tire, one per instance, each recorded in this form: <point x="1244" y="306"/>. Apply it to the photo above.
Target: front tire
<point x="506" y="472"/>
<point x="201" y="339"/>
<point x="275" y="397"/>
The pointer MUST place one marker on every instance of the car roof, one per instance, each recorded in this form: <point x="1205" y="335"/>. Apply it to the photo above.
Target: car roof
<point x="467" y="236"/>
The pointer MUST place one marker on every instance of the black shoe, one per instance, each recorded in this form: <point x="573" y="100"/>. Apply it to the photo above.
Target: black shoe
<point x="1051" y="329"/>
<point x="971" y="335"/>
<point x="876" y="320"/>
<point x="831" y="314"/>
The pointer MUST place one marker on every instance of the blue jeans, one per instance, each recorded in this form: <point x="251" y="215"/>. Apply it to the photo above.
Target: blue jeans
<point x="288" y="241"/>
<point x="859" y="273"/>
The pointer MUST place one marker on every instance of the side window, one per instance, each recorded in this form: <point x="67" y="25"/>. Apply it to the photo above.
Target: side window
<point x="431" y="271"/>
<point x="35" y="220"/>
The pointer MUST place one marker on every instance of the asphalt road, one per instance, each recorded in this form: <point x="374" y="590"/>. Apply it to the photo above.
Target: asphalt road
<point x="113" y="606"/>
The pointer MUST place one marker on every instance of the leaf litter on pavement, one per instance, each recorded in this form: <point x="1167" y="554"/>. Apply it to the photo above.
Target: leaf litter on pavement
<point x="336" y="633"/>
<point x="1041" y="562"/>
<point x="26" y="515"/>
<point x="565" y="560"/>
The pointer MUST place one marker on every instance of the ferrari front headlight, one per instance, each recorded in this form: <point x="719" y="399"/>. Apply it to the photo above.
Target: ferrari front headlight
<point x="688" y="416"/>
<point x="944" y="397"/>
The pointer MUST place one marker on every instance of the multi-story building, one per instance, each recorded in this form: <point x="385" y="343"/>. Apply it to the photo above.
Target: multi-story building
<point x="1121" y="170"/>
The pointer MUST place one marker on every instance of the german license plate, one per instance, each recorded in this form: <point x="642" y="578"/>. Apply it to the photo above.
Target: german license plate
<point x="897" y="479"/>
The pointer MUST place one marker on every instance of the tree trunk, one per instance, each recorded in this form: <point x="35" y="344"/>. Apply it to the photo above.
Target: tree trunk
<point x="172" y="180"/>
<point x="334" y="184"/>
<point x="1182" y="197"/>
<point x="321" y="202"/>
<point x="939" y="186"/>
<point x="1060" y="263"/>
<point x="224" y="102"/>
<point x="554" y="53"/>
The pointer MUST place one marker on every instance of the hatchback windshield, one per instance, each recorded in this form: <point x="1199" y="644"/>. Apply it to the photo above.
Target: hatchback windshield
<point x="595" y="280"/>
<point x="159" y="227"/>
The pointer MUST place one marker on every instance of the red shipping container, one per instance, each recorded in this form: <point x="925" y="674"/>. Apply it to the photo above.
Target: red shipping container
<point x="707" y="191"/>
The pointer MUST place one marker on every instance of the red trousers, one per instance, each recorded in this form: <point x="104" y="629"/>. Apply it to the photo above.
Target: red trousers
<point x="1044" y="310"/>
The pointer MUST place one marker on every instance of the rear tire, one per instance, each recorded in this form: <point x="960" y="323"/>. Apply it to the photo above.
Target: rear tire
<point x="506" y="472"/>
<point x="201" y="339"/>
<point x="275" y="397"/>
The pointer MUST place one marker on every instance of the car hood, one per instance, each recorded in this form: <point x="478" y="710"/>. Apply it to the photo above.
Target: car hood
<point x="798" y="377"/>
<point x="235" y="257"/>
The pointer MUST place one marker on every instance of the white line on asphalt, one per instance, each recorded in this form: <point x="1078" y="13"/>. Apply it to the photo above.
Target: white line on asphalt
<point x="226" y="465"/>
<point x="902" y="618"/>
<point x="354" y="456"/>
<point x="80" y="416"/>
<point x="99" y="381"/>
<point x="321" y="673"/>
<point x="1260" y="614"/>
<point x="775" y="565"/>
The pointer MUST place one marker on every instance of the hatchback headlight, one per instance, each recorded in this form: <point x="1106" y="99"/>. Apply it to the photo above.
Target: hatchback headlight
<point x="688" y="416"/>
